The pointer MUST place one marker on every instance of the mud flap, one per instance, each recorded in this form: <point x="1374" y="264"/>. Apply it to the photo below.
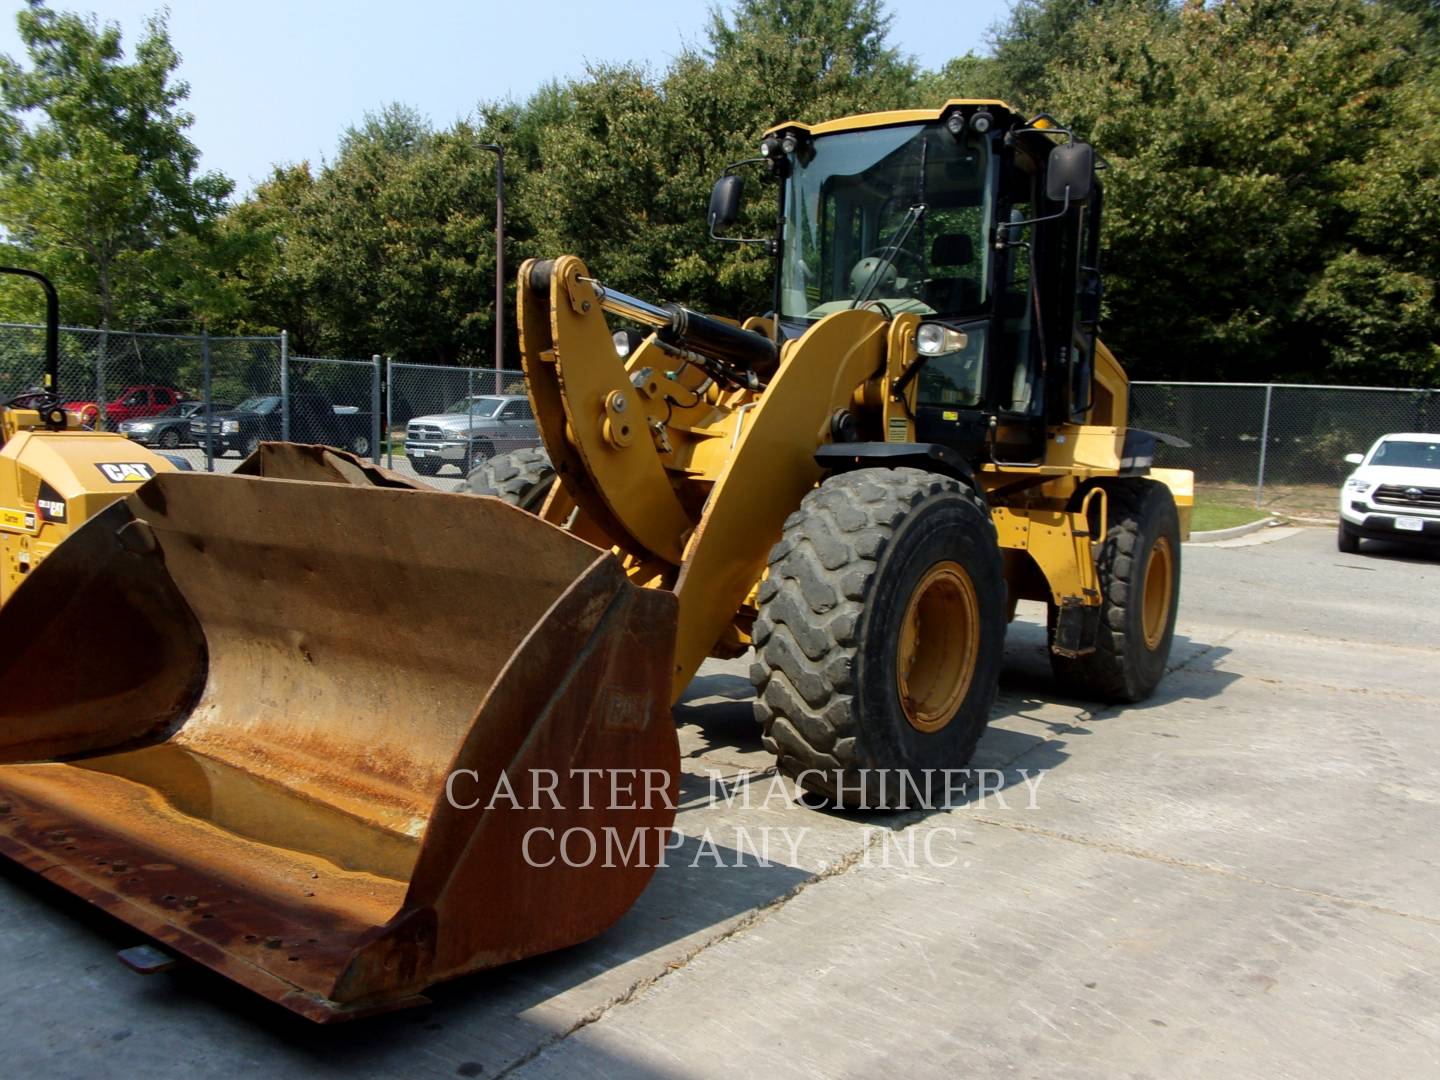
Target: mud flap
<point x="328" y="738"/>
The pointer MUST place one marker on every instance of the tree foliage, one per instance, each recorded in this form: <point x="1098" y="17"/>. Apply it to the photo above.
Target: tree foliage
<point x="98" y="181"/>
<point x="1272" y="192"/>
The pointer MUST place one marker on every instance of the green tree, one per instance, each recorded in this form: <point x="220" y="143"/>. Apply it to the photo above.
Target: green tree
<point x="629" y="164"/>
<point x="398" y="238"/>
<point x="1039" y="37"/>
<point x="1260" y="220"/>
<point x="267" y="283"/>
<point x="98" y="181"/>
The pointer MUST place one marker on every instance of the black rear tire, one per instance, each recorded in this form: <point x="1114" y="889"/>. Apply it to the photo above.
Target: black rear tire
<point x="1128" y="662"/>
<point x="519" y="477"/>
<point x="1346" y="540"/>
<point x="835" y="701"/>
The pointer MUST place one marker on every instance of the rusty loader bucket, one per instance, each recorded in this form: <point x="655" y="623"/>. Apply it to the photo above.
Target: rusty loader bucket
<point x="335" y="738"/>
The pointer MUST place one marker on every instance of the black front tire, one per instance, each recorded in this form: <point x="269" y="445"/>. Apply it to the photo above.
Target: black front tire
<point x="1347" y="540"/>
<point x="169" y="439"/>
<point x="425" y="466"/>
<point x="1130" y="655"/>
<point x="475" y="456"/>
<point x="521" y="478"/>
<point x="828" y="639"/>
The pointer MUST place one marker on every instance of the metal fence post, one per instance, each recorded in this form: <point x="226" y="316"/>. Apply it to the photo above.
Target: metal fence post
<point x="101" y="344"/>
<point x="208" y="399"/>
<point x="375" y="410"/>
<point x="389" y="415"/>
<point x="1264" y="444"/>
<point x="284" y="386"/>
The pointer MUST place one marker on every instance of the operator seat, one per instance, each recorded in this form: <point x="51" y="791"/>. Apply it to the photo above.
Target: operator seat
<point x="951" y="287"/>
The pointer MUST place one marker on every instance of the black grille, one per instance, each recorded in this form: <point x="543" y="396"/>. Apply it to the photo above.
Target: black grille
<point x="1427" y="498"/>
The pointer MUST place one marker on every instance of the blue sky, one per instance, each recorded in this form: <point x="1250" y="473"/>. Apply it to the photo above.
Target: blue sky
<point x="278" y="80"/>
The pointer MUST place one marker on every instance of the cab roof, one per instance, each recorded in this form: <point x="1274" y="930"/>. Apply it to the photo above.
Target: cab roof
<point x="861" y="121"/>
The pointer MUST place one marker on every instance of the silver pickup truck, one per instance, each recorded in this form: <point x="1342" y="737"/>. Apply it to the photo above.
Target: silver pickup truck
<point x="470" y="431"/>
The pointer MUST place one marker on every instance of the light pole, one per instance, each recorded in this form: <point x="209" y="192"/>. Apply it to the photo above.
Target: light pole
<point x="499" y="152"/>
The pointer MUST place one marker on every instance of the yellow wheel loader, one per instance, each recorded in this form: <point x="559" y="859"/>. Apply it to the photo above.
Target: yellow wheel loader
<point x="339" y="739"/>
<point x="54" y="476"/>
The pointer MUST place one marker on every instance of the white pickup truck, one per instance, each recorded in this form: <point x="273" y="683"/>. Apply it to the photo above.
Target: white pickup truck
<point x="1394" y="492"/>
<point x="471" y="430"/>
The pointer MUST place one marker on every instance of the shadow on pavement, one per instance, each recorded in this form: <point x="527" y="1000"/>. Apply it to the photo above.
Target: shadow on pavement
<point x="487" y="1023"/>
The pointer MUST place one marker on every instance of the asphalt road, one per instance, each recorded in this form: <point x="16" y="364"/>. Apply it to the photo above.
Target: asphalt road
<point x="1239" y="876"/>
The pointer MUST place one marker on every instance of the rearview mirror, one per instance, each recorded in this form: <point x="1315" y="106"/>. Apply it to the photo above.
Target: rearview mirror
<point x="1354" y="459"/>
<point x="725" y="201"/>
<point x="1071" y="166"/>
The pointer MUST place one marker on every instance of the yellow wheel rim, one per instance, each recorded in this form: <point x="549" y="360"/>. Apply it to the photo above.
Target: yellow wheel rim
<point x="1159" y="587"/>
<point x="939" y="644"/>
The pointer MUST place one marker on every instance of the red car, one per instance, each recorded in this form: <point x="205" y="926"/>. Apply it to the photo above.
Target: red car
<point x="149" y="399"/>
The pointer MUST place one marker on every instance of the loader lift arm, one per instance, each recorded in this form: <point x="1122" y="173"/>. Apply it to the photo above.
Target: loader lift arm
<point x="689" y="476"/>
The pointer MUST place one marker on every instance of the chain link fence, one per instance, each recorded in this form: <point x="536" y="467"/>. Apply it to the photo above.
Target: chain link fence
<point x="211" y="399"/>
<point x="1277" y="446"/>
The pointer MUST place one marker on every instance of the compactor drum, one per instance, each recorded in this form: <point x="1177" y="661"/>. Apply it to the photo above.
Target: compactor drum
<point x="281" y="712"/>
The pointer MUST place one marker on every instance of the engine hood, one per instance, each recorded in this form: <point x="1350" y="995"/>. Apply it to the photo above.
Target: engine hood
<point x="455" y="422"/>
<point x="1405" y="476"/>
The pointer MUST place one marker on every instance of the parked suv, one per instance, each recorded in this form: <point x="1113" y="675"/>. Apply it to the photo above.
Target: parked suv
<point x="148" y="399"/>
<point x="1394" y="494"/>
<point x="470" y="431"/>
<point x="313" y="419"/>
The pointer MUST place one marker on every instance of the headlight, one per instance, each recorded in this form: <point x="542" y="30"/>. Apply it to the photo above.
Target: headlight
<point x="1358" y="486"/>
<point x="230" y="427"/>
<point x="932" y="339"/>
<point x="138" y="427"/>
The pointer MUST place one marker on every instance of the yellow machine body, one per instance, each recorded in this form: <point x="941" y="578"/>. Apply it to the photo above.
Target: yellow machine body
<point x="52" y="482"/>
<point x="690" y="483"/>
<point x="271" y="719"/>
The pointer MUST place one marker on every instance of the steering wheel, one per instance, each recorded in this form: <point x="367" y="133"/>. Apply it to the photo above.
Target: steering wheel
<point x="883" y="262"/>
<point x="42" y="401"/>
<point x="887" y="253"/>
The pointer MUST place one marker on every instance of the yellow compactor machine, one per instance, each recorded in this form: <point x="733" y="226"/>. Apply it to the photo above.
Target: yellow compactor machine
<point x="54" y="475"/>
<point x="329" y="734"/>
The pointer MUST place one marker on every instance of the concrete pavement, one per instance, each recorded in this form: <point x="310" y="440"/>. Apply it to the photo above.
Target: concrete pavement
<point x="1240" y="875"/>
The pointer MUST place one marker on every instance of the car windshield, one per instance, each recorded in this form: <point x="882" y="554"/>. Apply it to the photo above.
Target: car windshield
<point x="895" y="215"/>
<point x="477" y="406"/>
<point x="263" y="405"/>
<point x="1407" y="454"/>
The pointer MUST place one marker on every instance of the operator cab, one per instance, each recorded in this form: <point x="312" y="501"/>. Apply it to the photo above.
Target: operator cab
<point x="956" y="218"/>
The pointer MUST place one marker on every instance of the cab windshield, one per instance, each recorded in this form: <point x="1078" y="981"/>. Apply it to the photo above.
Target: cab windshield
<point x="477" y="406"/>
<point x="894" y="216"/>
<point x="1407" y="454"/>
